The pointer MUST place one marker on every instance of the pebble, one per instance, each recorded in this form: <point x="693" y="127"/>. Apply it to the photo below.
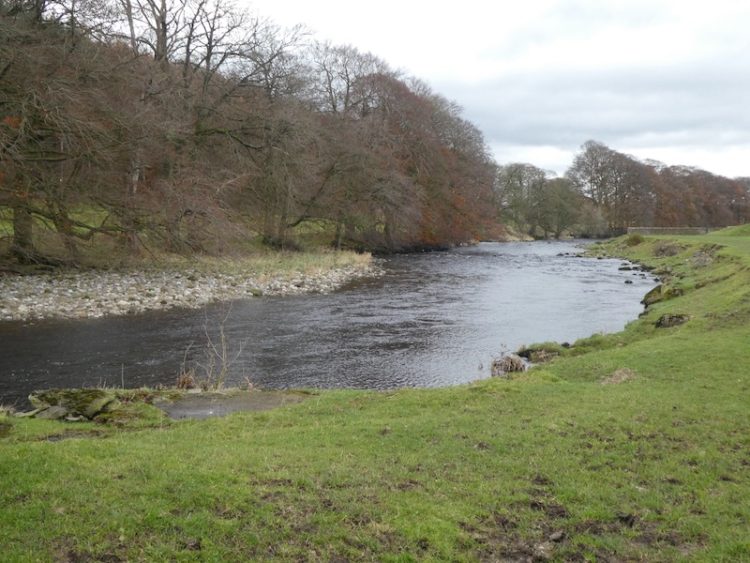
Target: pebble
<point x="93" y="294"/>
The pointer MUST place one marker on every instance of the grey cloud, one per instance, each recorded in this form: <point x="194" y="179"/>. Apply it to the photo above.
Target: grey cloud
<point x="679" y="105"/>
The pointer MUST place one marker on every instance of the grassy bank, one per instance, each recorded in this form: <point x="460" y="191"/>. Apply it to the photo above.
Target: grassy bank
<point x="633" y="446"/>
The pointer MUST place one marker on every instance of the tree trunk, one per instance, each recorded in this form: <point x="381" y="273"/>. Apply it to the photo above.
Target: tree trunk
<point x="64" y="228"/>
<point x="23" y="234"/>
<point x="339" y="234"/>
<point x="129" y="222"/>
<point x="388" y="236"/>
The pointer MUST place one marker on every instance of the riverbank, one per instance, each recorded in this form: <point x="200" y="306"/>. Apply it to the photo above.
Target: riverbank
<point x="632" y="446"/>
<point x="176" y="283"/>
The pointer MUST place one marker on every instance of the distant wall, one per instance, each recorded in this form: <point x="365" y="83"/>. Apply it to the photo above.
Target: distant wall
<point x="670" y="230"/>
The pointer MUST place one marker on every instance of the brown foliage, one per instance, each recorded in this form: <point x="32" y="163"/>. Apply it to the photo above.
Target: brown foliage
<point x="208" y="127"/>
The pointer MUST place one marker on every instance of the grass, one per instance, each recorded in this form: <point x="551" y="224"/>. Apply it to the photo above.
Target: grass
<point x="246" y="257"/>
<point x="238" y="254"/>
<point x="552" y="464"/>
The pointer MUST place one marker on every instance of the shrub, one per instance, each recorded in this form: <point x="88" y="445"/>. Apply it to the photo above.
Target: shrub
<point x="634" y="239"/>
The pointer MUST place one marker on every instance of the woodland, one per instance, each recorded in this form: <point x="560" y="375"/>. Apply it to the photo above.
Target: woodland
<point x="195" y="126"/>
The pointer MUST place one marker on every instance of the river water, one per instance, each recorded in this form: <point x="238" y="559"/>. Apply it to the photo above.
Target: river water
<point x="433" y="319"/>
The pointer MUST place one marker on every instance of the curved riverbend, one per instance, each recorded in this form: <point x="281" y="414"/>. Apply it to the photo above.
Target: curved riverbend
<point x="433" y="319"/>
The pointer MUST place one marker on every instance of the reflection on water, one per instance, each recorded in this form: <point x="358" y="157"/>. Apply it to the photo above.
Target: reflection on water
<point x="435" y="319"/>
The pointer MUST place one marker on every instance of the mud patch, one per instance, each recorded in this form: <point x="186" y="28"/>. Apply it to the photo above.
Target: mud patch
<point x="207" y="405"/>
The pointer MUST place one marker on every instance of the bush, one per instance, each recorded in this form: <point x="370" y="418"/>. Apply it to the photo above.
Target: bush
<point x="634" y="239"/>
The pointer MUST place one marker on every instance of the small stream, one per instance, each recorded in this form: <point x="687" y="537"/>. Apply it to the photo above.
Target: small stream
<point x="434" y="319"/>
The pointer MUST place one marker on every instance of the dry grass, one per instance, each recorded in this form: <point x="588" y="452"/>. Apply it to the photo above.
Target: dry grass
<point x="619" y="376"/>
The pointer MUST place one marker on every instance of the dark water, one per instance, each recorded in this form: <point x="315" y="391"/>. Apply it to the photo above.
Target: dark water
<point x="434" y="319"/>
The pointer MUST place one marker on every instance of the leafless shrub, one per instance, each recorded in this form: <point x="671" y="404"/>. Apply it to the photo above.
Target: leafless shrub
<point x="509" y="363"/>
<point x="212" y="369"/>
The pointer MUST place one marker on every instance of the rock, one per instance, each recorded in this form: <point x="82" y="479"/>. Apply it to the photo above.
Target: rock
<point x="75" y="419"/>
<point x="508" y="364"/>
<point x="538" y="355"/>
<point x="75" y="402"/>
<point x="557" y="536"/>
<point x="96" y="405"/>
<point x="37" y="402"/>
<point x="543" y="551"/>
<point x="55" y="412"/>
<point x="661" y="293"/>
<point x="669" y="320"/>
<point x="28" y="414"/>
<point x="97" y="293"/>
<point x="653" y="296"/>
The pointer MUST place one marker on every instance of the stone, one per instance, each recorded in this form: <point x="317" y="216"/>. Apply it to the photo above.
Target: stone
<point x="94" y="406"/>
<point x="543" y="551"/>
<point x="37" y="402"/>
<point x="76" y="402"/>
<point x="661" y="293"/>
<point x="557" y="536"/>
<point x="28" y="414"/>
<point x="538" y="355"/>
<point x="97" y="293"/>
<point x="55" y="412"/>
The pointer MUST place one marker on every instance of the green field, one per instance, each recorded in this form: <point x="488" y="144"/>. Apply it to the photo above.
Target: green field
<point x="627" y="447"/>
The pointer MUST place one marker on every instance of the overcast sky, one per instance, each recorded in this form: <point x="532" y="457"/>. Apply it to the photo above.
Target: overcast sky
<point x="661" y="79"/>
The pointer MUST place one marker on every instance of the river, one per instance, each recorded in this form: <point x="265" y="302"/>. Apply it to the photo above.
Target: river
<point x="433" y="319"/>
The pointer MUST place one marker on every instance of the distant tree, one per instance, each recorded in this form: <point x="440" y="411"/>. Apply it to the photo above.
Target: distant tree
<point x="592" y="172"/>
<point x="560" y="207"/>
<point x="741" y="203"/>
<point x="630" y="192"/>
<point x="520" y="189"/>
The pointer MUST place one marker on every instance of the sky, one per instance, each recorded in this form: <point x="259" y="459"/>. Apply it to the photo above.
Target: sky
<point x="667" y="80"/>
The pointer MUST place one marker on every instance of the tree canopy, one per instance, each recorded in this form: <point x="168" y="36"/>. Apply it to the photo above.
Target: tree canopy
<point x="193" y="125"/>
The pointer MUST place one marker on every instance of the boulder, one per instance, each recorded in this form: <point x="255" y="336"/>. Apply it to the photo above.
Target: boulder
<point x="55" y="412"/>
<point x="661" y="293"/>
<point x="75" y="402"/>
